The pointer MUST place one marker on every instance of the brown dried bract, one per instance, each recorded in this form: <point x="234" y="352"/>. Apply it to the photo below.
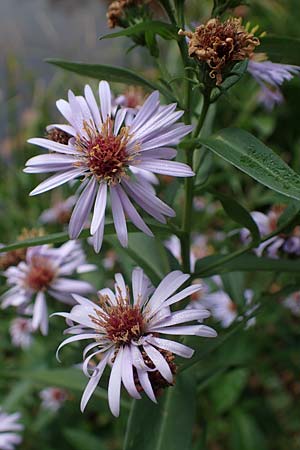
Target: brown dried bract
<point x="15" y="256"/>
<point x="219" y="43"/>
<point x="117" y="10"/>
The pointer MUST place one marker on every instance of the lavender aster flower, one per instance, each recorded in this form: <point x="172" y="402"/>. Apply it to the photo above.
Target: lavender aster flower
<point x="46" y="270"/>
<point x="270" y="76"/>
<point x="9" y="427"/>
<point x="126" y="334"/>
<point x="102" y="149"/>
<point x="292" y="302"/>
<point x="53" y="398"/>
<point x="21" y="332"/>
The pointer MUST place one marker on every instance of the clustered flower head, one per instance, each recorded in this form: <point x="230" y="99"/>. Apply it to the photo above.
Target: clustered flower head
<point x="221" y="44"/>
<point x="125" y="334"/>
<point x="105" y="153"/>
<point x="9" y="430"/>
<point x="45" y="270"/>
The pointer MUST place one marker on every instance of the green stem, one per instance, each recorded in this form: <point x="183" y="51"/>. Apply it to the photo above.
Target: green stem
<point x="189" y="191"/>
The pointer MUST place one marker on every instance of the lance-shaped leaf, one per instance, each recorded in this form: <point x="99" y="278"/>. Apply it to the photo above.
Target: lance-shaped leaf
<point x="215" y="264"/>
<point x="239" y="215"/>
<point x="163" y="29"/>
<point x="111" y="73"/>
<point x="168" y="425"/>
<point x="250" y="155"/>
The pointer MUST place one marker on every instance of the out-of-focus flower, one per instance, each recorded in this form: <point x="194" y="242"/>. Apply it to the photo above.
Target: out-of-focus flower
<point x="53" y="398"/>
<point x="270" y="76"/>
<point x="102" y="150"/>
<point x="126" y="335"/>
<point x="110" y="259"/>
<point x="220" y="45"/>
<point x="9" y="428"/>
<point x="21" y="332"/>
<point x="292" y="302"/>
<point x="224" y="310"/>
<point x="199" y="248"/>
<point x="60" y="211"/>
<point x="46" y="270"/>
<point x="132" y="100"/>
<point x="267" y="223"/>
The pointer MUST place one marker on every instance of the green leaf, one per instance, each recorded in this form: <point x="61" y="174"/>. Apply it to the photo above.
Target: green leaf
<point x="168" y="425"/>
<point x="239" y="214"/>
<point x="163" y="29"/>
<point x="250" y="155"/>
<point x="111" y="73"/>
<point x="212" y="265"/>
<point x="80" y="440"/>
<point x="228" y="388"/>
<point x="245" y="433"/>
<point x="284" y="50"/>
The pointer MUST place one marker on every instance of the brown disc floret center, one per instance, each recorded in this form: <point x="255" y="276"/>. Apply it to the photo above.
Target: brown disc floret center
<point x="106" y="153"/>
<point x="41" y="273"/>
<point x="122" y="322"/>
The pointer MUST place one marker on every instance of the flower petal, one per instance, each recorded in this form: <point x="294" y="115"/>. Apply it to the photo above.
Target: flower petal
<point x="82" y="209"/>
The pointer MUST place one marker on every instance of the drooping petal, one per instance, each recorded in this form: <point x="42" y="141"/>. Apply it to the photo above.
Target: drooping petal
<point x="40" y="314"/>
<point x="99" y="209"/>
<point x="127" y="374"/>
<point x="159" y="361"/>
<point x="114" y="385"/>
<point x="82" y="209"/>
<point x="118" y="216"/>
<point x="171" y="346"/>
<point x="94" y="381"/>
<point x="146" y="385"/>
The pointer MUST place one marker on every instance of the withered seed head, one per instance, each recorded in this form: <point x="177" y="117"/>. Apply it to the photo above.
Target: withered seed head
<point x="220" y="43"/>
<point x="57" y="135"/>
<point x="117" y="11"/>
<point x="15" y="256"/>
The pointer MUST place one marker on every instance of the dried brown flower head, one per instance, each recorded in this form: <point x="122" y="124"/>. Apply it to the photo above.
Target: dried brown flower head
<point x="13" y="257"/>
<point x="220" y="43"/>
<point x="57" y="135"/>
<point x="118" y="12"/>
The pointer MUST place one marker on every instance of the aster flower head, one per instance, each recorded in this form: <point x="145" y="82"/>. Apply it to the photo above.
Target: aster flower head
<point x="267" y="224"/>
<point x="125" y="334"/>
<point x="224" y="310"/>
<point x="292" y="302"/>
<point x="270" y="76"/>
<point x="21" y="332"/>
<point x="103" y="151"/>
<point x="60" y="212"/>
<point x="53" y="398"/>
<point x="46" y="270"/>
<point x="219" y="45"/>
<point x="9" y="430"/>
